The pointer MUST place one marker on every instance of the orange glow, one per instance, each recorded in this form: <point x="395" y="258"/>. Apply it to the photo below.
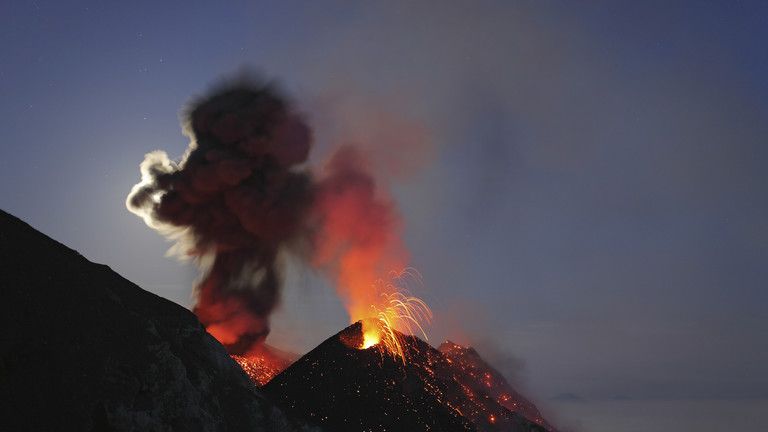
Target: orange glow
<point x="357" y="241"/>
<point x="258" y="368"/>
<point x="395" y="311"/>
<point x="371" y="336"/>
<point x="261" y="364"/>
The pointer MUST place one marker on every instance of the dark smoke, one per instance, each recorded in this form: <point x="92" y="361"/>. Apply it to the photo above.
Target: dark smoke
<point x="234" y="201"/>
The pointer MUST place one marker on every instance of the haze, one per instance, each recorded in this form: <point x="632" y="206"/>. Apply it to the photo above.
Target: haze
<point x="589" y="207"/>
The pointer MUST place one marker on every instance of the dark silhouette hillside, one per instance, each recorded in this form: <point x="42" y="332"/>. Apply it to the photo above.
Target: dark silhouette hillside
<point x="82" y="348"/>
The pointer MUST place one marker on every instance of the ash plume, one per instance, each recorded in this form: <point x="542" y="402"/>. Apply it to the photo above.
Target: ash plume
<point x="233" y="202"/>
<point x="240" y="197"/>
<point x="357" y="231"/>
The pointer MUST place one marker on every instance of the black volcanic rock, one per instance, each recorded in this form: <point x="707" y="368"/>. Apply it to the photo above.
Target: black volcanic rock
<point x="83" y="349"/>
<point x="486" y="384"/>
<point x="343" y="388"/>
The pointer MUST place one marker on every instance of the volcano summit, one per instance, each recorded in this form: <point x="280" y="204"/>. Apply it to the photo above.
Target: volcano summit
<point x="343" y="387"/>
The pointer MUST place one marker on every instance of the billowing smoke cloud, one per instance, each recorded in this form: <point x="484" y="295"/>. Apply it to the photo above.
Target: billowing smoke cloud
<point x="234" y="201"/>
<point x="239" y="198"/>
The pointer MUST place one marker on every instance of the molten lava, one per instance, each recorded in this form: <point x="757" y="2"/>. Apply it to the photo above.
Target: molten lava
<point x="358" y="242"/>
<point x="486" y="387"/>
<point x="371" y="337"/>
<point x="263" y="363"/>
<point x="258" y="368"/>
<point x="397" y="313"/>
<point x="343" y="388"/>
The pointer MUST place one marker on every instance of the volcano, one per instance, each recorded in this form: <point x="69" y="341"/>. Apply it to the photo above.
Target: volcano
<point x="341" y="387"/>
<point x="84" y="349"/>
<point x="484" y="384"/>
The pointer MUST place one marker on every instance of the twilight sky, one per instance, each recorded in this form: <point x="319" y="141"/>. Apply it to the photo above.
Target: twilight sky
<point x="589" y="206"/>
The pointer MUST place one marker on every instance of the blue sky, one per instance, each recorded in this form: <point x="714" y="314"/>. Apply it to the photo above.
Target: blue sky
<point x="591" y="210"/>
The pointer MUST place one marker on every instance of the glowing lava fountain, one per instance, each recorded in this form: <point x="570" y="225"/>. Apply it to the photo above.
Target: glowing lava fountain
<point x="398" y="311"/>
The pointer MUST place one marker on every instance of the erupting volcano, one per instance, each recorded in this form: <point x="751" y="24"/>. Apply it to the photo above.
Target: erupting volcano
<point x="342" y="387"/>
<point x="241" y="198"/>
<point x="397" y="312"/>
<point x="383" y="332"/>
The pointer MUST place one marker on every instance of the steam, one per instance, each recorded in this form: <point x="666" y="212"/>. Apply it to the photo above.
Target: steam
<point x="239" y="198"/>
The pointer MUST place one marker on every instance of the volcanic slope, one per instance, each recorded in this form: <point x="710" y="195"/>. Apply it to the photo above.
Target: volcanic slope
<point x="83" y="349"/>
<point x="344" y="388"/>
<point x="262" y="363"/>
<point x="481" y="382"/>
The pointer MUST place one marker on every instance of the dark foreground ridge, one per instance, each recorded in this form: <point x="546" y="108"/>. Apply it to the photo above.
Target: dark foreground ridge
<point x="343" y="388"/>
<point x="82" y="348"/>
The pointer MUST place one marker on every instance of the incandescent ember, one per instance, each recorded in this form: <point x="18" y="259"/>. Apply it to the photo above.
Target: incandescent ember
<point x="263" y="363"/>
<point x="341" y="387"/>
<point x="484" y="384"/>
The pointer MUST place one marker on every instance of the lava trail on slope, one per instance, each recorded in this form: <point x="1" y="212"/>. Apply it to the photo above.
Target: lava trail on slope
<point x="263" y="363"/>
<point x="342" y="387"/>
<point x="481" y="382"/>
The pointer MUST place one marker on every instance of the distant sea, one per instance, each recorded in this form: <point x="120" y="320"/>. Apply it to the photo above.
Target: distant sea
<point x="659" y="415"/>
